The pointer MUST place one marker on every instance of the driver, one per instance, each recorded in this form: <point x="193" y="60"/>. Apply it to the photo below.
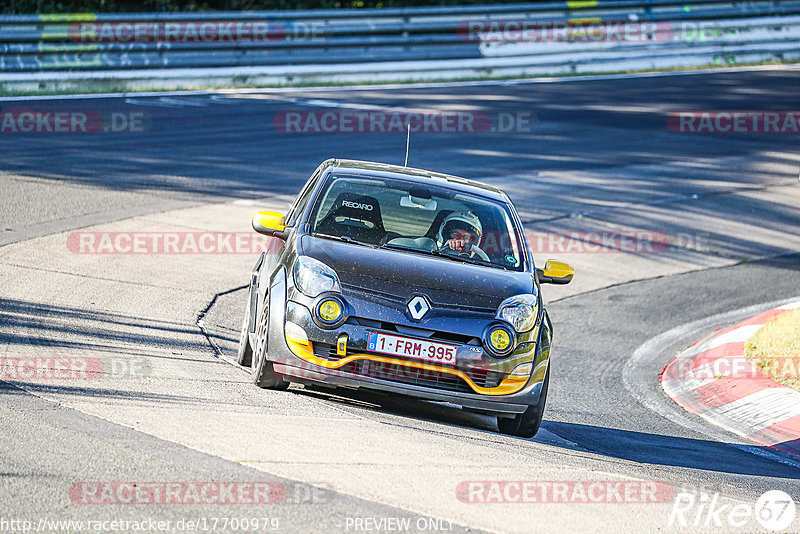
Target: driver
<point x="460" y="233"/>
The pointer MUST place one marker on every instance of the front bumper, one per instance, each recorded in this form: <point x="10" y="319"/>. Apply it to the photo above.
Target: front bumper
<point x="477" y="382"/>
<point x="508" y="404"/>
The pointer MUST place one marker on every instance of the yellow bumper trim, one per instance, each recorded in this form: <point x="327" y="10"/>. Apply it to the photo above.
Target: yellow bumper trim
<point x="304" y="350"/>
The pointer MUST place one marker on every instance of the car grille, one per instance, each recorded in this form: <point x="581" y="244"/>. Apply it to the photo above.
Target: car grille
<point x="410" y="375"/>
<point x="407" y="375"/>
<point x="389" y="298"/>
<point x="434" y="335"/>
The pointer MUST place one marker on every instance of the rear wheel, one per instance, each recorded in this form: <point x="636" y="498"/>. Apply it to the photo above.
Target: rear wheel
<point x="261" y="368"/>
<point x="527" y="423"/>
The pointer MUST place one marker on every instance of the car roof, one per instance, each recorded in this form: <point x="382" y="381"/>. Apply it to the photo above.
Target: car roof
<point x="421" y="176"/>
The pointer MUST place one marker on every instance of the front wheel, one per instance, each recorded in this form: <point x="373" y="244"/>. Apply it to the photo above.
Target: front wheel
<point x="244" y="355"/>
<point x="527" y="423"/>
<point x="261" y="369"/>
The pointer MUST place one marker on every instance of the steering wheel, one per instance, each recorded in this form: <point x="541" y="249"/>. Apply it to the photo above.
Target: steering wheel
<point x="473" y="248"/>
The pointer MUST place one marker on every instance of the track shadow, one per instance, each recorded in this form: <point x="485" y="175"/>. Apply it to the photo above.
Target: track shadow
<point x="109" y="394"/>
<point x="648" y="448"/>
<point x="639" y="447"/>
<point x="77" y="329"/>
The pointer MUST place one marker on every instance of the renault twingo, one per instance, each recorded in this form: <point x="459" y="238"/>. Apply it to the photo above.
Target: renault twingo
<point x="405" y="281"/>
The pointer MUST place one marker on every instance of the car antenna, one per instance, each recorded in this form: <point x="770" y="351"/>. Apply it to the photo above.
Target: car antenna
<point x="408" y="140"/>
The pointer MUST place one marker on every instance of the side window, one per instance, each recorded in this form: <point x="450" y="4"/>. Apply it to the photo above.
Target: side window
<point x="302" y="199"/>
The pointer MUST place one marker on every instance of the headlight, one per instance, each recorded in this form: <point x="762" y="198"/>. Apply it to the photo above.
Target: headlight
<point x="313" y="277"/>
<point x="521" y="311"/>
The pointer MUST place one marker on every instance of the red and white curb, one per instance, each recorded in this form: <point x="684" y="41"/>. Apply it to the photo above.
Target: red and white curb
<point x="712" y="379"/>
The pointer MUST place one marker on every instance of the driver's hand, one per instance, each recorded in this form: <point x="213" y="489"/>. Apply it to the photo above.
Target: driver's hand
<point x="459" y="245"/>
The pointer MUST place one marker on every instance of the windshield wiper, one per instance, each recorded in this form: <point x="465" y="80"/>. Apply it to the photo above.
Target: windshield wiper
<point x="464" y="259"/>
<point x="404" y="247"/>
<point x="468" y="259"/>
<point x="438" y="253"/>
<point x="345" y="238"/>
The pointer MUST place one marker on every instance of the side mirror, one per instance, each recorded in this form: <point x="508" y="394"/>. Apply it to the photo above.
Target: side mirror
<point x="555" y="272"/>
<point x="269" y="223"/>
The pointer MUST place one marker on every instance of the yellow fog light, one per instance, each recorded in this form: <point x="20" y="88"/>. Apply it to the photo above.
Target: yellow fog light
<point x="499" y="339"/>
<point x="330" y="311"/>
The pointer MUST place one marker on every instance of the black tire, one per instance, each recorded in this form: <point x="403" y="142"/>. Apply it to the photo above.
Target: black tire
<point x="526" y="424"/>
<point x="244" y="356"/>
<point x="261" y="369"/>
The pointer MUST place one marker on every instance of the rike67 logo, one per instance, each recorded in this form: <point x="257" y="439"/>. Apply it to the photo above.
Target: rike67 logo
<point x="775" y="511"/>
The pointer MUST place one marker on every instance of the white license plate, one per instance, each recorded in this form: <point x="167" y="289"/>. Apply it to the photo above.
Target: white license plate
<point x="412" y="348"/>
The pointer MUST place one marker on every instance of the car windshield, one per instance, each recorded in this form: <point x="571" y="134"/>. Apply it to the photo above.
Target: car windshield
<point x="420" y="218"/>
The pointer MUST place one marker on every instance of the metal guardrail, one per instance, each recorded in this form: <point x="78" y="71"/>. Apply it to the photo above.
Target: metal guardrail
<point x="258" y="47"/>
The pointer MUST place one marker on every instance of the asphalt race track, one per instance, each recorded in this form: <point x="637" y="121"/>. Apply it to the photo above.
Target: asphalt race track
<point x="576" y="156"/>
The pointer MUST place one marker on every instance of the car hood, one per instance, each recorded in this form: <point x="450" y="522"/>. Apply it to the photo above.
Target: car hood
<point x="402" y="274"/>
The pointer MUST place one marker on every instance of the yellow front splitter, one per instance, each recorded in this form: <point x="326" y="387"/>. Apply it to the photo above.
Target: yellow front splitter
<point x="304" y="350"/>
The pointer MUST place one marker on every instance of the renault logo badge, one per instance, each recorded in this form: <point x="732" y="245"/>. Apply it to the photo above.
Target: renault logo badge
<point x="418" y="307"/>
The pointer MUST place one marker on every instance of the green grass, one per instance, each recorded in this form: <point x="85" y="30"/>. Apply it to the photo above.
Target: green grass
<point x="775" y="349"/>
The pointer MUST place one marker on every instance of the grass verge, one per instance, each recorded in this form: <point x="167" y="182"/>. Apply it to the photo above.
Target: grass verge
<point x="775" y="349"/>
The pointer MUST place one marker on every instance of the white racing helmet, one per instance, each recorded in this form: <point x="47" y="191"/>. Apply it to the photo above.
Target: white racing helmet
<point x="462" y="219"/>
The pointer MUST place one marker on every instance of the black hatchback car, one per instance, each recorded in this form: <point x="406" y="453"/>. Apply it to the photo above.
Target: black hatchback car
<point x="405" y="281"/>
